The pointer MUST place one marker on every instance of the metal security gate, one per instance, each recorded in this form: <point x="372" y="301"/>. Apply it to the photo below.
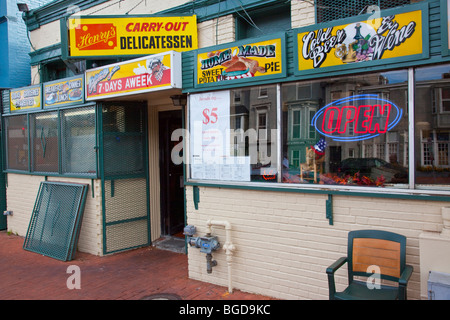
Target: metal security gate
<point x="4" y="99"/>
<point x="56" y="220"/>
<point x="3" y="220"/>
<point x="124" y="173"/>
<point x="328" y="10"/>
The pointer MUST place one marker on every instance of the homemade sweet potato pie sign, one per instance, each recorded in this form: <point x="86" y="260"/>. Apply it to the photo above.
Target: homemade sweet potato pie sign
<point x="242" y="62"/>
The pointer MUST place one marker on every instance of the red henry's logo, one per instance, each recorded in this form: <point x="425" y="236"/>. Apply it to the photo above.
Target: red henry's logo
<point x="96" y="36"/>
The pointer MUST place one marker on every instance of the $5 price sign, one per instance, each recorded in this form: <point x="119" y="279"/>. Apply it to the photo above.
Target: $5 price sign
<point x="210" y="116"/>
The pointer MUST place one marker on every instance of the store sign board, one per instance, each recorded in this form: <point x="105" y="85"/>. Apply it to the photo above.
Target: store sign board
<point x="64" y="92"/>
<point x="25" y="98"/>
<point x="146" y="74"/>
<point x="244" y="62"/>
<point x="209" y="115"/>
<point x="362" y="43"/>
<point x="447" y="23"/>
<point x="90" y="36"/>
<point x="357" y="118"/>
<point x="445" y="27"/>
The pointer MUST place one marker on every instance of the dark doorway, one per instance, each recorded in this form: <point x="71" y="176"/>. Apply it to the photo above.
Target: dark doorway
<point x="171" y="175"/>
<point x="335" y="158"/>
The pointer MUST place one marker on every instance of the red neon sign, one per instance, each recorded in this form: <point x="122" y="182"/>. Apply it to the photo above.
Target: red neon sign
<point x="362" y="117"/>
<point x="270" y="175"/>
<point x="356" y="118"/>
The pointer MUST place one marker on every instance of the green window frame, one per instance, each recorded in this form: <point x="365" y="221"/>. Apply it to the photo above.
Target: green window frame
<point x="55" y="143"/>
<point x="255" y="23"/>
<point x="296" y="124"/>
<point x="410" y="157"/>
<point x="44" y="129"/>
<point x="16" y="142"/>
<point x="54" y="70"/>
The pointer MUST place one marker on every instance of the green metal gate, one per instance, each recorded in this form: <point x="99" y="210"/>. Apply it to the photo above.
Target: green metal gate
<point x="124" y="173"/>
<point x="56" y="220"/>
<point x="3" y="223"/>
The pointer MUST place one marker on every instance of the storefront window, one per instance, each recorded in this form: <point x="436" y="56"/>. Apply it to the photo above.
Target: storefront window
<point x="44" y="137"/>
<point x="16" y="129"/>
<point x="123" y="139"/>
<point x="78" y="141"/>
<point x="343" y="131"/>
<point x="67" y="137"/>
<point x="432" y="126"/>
<point x="233" y="135"/>
<point x="347" y="131"/>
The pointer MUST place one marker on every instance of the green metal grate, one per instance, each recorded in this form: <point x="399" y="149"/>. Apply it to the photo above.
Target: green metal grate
<point x="126" y="220"/>
<point x="328" y="10"/>
<point x="59" y="142"/>
<point x="56" y="220"/>
<point x="123" y="140"/>
<point x="124" y="177"/>
<point x="44" y="136"/>
<point x="78" y="141"/>
<point x="16" y="132"/>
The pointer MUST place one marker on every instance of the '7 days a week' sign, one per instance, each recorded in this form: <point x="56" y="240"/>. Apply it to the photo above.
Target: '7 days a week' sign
<point x="358" y="43"/>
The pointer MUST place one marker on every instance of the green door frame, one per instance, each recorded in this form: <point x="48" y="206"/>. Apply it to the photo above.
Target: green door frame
<point x="3" y="220"/>
<point x="104" y="177"/>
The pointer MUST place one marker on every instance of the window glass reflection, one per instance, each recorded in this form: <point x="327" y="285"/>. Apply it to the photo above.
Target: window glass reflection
<point x="347" y="131"/>
<point x="234" y="135"/>
<point x="17" y="142"/>
<point x="432" y="125"/>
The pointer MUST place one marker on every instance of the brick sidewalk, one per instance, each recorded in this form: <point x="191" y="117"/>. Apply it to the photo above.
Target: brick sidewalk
<point x="130" y="275"/>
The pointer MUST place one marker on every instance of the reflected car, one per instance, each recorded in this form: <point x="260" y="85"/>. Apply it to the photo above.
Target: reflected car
<point x="374" y="167"/>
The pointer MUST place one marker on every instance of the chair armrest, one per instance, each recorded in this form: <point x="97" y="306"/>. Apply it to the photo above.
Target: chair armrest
<point x="403" y="281"/>
<point x="330" y="272"/>
<point x="336" y="265"/>
<point x="406" y="274"/>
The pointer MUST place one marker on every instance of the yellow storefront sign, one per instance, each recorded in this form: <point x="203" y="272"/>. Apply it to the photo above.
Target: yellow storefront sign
<point x="385" y="37"/>
<point x="150" y="73"/>
<point x="64" y="92"/>
<point x="130" y="35"/>
<point x="246" y="61"/>
<point x="25" y="98"/>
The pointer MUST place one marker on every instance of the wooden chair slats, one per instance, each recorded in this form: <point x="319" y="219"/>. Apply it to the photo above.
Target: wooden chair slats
<point x="368" y="252"/>
<point x="377" y="252"/>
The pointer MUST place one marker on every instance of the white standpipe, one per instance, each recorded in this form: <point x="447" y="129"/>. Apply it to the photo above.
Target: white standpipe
<point x="228" y="246"/>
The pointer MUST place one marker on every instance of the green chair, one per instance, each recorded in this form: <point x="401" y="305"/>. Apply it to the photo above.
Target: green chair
<point x="368" y="250"/>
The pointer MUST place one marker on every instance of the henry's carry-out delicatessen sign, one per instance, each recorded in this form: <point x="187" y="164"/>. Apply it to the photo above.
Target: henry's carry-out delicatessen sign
<point x="89" y="36"/>
<point x="387" y="36"/>
<point x="146" y="74"/>
<point x="262" y="59"/>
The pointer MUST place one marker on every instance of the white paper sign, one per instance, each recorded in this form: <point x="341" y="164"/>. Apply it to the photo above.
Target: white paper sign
<point x="210" y="139"/>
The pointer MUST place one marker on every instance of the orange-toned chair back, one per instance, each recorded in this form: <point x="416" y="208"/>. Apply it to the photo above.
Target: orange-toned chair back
<point x="384" y="254"/>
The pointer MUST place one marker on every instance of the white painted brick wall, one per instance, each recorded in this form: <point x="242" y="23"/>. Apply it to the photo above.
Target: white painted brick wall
<point x="302" y="14"/>
<point x="216" y="31"/>
<point x="21" y="195"/>
<point x="211" y="32"/>
<point x="50" y="33"/>
<point x="284" y="242"/>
